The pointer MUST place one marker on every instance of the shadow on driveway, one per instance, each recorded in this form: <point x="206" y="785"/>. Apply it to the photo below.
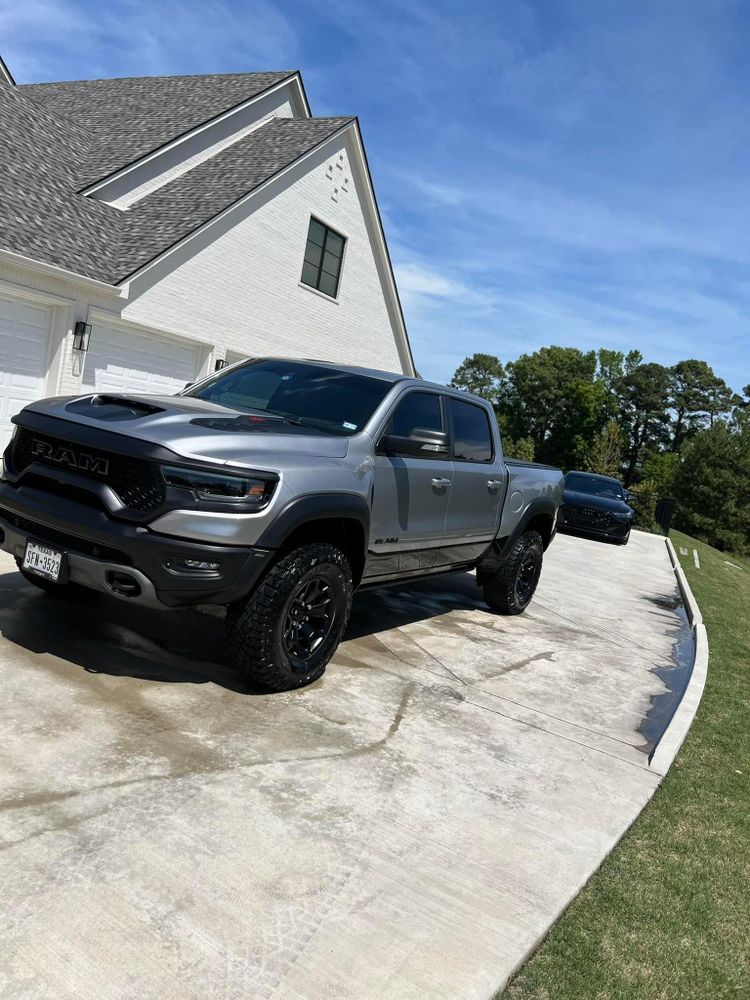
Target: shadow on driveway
<point x="105" y="635"/>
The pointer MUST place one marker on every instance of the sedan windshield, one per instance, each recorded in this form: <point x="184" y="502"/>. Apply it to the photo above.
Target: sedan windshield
<point x="327" y="399"/>
<point x="596" y="486"/>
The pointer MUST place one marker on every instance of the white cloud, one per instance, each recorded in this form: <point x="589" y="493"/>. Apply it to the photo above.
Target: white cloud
<point x="65" y="39"/>
<point x="416" y="279"/>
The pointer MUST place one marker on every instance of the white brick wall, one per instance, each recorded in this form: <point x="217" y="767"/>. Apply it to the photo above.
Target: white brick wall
<point x="241" y="289"/>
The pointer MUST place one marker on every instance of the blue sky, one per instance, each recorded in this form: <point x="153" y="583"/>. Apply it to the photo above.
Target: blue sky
<point x="560" y="171"/>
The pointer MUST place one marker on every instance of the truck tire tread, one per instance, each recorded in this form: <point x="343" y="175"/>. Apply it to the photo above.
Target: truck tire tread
<point x="500" y="590"/>
<point x="253" y="625"/>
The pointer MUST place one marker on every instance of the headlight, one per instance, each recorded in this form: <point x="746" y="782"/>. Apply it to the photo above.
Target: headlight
<point x="254" y="492"/>
<point x="622" y="517"/>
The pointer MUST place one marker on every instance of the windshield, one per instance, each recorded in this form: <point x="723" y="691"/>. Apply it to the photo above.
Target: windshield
<point x="329" y="400"/>
<point x="596" y="486"/>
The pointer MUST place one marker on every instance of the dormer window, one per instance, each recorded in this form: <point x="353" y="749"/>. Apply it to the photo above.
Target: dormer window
<point x="323" y="255"/>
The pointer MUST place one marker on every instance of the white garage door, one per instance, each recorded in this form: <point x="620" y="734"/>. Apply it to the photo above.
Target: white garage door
<point x="24" y="355"/>
<point x="120" y="360"/>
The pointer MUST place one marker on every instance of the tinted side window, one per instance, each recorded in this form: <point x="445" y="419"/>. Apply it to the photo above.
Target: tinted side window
<point x="472" y="438"/>
<point x="418" y="409"/>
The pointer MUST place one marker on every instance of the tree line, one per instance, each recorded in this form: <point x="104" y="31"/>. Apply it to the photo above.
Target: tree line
<point x="676" y="431"/>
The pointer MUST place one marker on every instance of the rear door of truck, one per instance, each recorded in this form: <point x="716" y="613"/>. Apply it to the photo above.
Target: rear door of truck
<point x="479" y="476"/>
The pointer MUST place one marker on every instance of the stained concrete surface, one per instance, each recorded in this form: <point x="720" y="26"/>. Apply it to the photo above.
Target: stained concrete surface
<point x="406" y="827"/>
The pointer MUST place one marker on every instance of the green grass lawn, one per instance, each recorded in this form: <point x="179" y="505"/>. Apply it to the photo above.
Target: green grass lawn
<point x="668" y="913"/>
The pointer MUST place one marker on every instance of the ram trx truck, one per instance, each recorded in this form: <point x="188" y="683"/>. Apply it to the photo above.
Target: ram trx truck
<point x="274" y="487"/>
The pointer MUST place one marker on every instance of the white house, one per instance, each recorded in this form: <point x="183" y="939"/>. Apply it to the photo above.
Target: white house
<point x="177" y="223"/>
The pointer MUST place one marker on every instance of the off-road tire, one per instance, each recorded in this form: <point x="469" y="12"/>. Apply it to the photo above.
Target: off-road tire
<point x="255" y="640"/>
<point x="502" y="591"/>
<point x="41" y="583"/>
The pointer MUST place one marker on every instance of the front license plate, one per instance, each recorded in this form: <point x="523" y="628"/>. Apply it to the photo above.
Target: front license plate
<point x="43" y="560"/>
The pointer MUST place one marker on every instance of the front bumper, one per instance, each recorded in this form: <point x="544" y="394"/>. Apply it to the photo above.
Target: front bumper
<point x="571" y="522"/>
<point x="101" y="552"/>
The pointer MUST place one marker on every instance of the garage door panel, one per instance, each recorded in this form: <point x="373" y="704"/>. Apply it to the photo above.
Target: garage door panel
<point x="24" y="352"/>
<point x="121" y="360"/>
<point x="15" y="312"/>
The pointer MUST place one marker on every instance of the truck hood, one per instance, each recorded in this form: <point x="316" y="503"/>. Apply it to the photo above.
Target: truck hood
<point x="194" y="428"/>
<point x="576" y="499"/>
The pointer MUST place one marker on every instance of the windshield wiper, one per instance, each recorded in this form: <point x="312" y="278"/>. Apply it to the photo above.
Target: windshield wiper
<point x="302" y="422"/>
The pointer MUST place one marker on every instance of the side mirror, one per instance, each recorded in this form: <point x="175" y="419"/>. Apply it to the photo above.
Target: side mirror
<point x="629" y="497"/>
<point x="421" y="443"/>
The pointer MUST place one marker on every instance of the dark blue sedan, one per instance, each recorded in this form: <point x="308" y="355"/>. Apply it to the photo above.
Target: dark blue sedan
<point x="596" y="506"/>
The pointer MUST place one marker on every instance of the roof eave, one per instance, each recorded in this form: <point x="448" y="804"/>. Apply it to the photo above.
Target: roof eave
<point x="408" y="357"/>
<point x="55" y="271"/>
<point x="5" y="74"/>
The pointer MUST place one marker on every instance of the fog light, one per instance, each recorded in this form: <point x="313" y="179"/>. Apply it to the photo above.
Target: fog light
<point x="200" y="564"/>
<point x="192" y="567"/>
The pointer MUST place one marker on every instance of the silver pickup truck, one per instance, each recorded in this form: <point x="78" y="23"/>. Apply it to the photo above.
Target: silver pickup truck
<point x="274" y="487"/>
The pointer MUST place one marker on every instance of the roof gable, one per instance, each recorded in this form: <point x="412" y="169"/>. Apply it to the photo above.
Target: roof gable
<point x="177" y="209"/>
<point x="126" y="118"/>
<point x="43" y="216"/>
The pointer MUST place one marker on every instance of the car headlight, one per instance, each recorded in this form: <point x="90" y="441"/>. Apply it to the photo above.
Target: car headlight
<point x="236" y="488"/>
<point x="622" y="517"/>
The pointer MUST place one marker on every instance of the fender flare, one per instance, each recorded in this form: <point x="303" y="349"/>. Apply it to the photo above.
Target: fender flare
<point x="315" y="507"/>
<point x="494" y="556"/>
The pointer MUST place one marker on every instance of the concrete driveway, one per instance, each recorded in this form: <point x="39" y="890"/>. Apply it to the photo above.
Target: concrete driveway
<point x="409" y="826"/>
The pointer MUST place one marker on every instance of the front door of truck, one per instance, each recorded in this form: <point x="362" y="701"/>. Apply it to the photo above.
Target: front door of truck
<point x="479" y="478"/>
<point x="412" y="486"/>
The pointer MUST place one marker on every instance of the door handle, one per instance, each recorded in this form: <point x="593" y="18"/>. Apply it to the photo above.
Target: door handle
<point x="440" y="482"/>
<point x="495" y="484"/>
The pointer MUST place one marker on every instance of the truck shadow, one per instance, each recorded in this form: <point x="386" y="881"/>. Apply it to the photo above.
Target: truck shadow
<point x="105" y="635"/>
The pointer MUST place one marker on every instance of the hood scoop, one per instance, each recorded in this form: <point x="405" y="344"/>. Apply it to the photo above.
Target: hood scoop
<point x="112" y="408"/>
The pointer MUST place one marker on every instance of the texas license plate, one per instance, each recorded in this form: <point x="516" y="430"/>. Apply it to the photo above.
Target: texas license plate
<point x="43" y="560"/>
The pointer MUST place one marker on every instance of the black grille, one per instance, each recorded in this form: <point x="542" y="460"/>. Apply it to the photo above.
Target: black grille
<point x="588" y="517"/>
<point x="137" y="482"/>
<point x="65" y="541"/>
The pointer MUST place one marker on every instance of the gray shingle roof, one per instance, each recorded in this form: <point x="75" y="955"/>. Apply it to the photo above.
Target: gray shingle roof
<point x="41" y="215"/>
<point x="50" y="143"/>
<point x="128" y="117"/>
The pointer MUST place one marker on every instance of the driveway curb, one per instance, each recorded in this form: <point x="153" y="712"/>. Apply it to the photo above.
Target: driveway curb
<point x="675" y="733"/>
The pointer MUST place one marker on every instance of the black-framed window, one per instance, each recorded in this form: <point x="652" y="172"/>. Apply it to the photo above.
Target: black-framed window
<point x="472" y="437"/>
<point x="324" y="252"/>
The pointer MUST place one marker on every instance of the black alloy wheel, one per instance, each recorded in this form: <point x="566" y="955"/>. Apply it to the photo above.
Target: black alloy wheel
<point x="527" y="576"/>
<point x="310" y="616"/>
